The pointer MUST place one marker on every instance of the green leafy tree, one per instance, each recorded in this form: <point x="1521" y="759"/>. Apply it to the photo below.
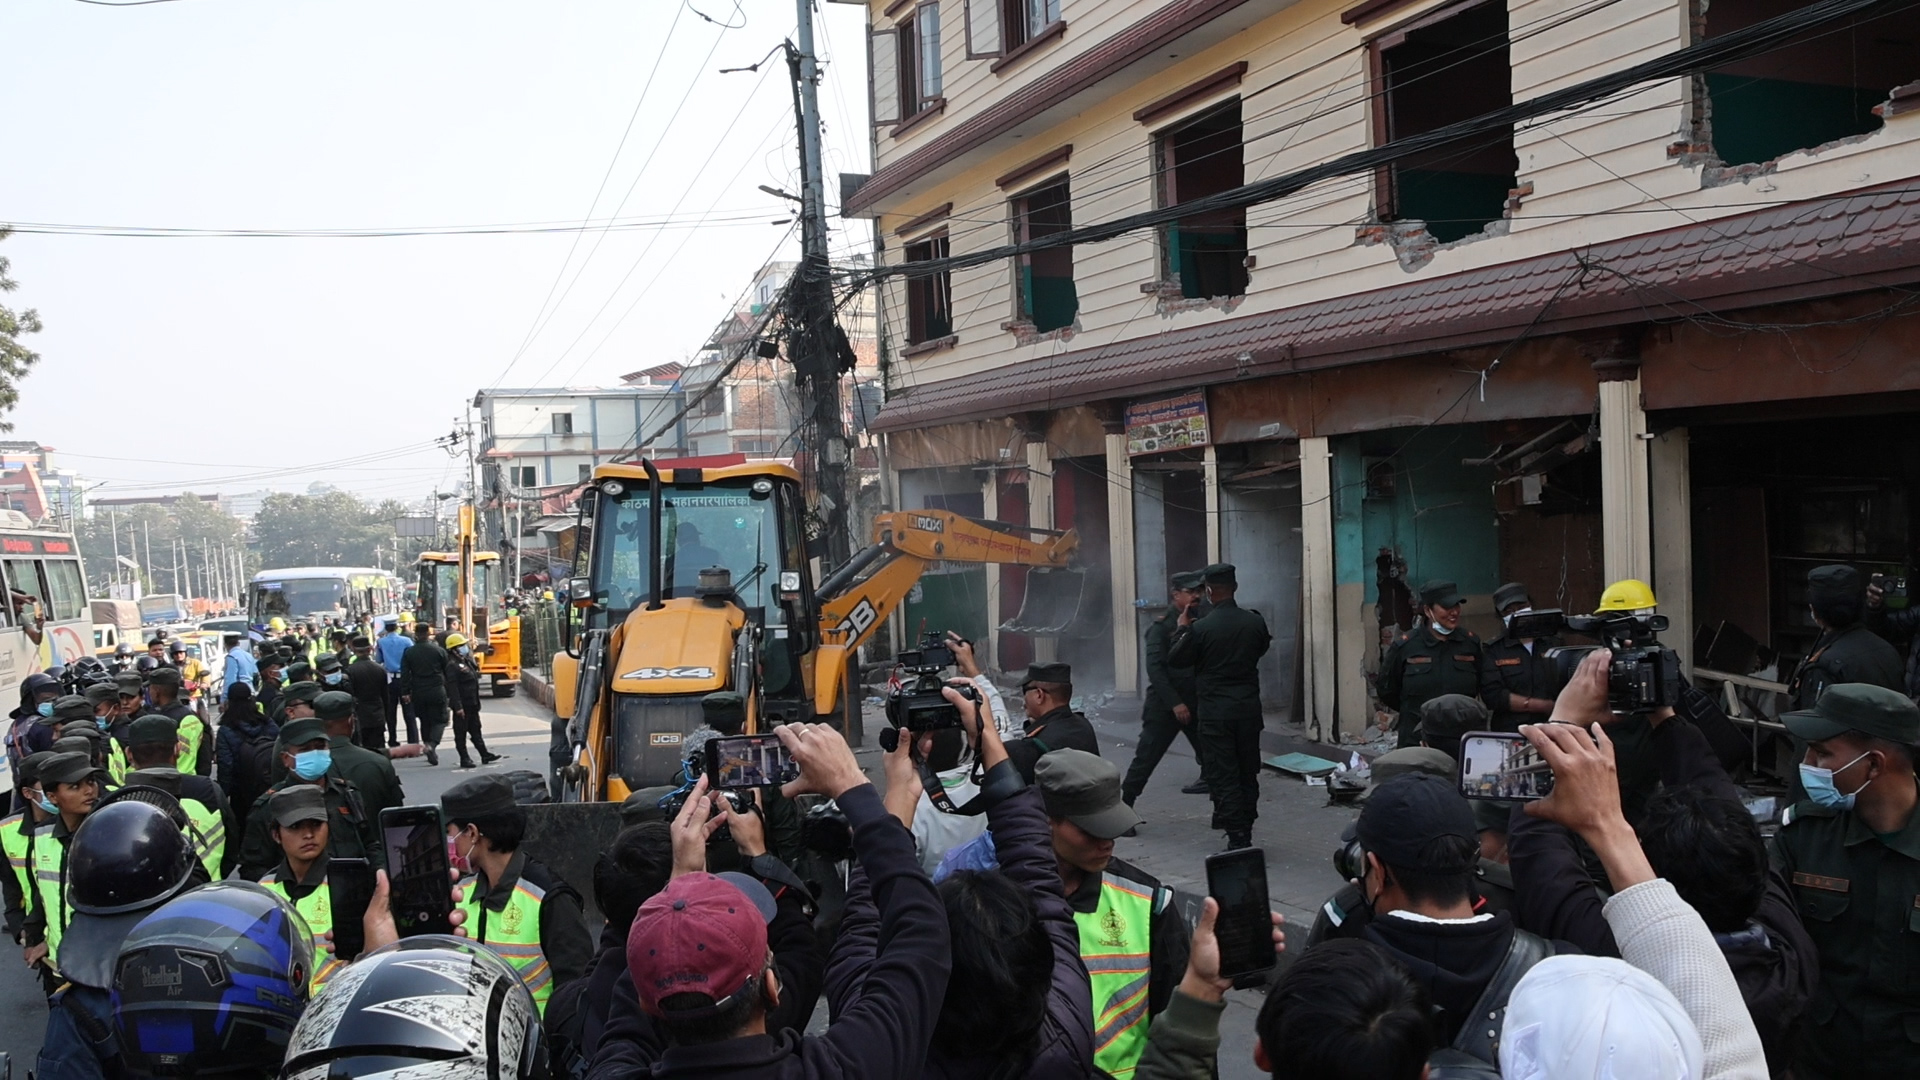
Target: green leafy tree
<point x="332" y="529"/>
<point x="176" y="535"/>
<point x="15" y="359"/>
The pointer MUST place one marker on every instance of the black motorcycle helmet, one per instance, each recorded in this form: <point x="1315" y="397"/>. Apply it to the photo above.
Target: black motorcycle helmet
<point x="424" y="1006"/>
<point x="32" y="685"/>
<point x="128" y="855"/>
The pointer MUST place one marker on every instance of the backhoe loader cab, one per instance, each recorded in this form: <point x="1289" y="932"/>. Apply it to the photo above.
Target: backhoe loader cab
<point x="495" y="632"/>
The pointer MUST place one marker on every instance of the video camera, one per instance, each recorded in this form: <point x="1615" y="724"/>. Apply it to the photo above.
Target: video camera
<point x="691" y="770"/>
<point x="1643" y="675"/>
<point x="918" y="704"/>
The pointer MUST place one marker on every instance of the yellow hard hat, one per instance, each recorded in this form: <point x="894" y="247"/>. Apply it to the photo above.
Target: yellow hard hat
<point x="277" y="624"/>
<point x="454" y="641"/>
<point x="1630" y="594"/>
<point x="547" y="595"/>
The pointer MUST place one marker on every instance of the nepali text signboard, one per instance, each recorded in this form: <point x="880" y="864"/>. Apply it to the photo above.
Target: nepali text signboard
<point x="1174" y="423"/>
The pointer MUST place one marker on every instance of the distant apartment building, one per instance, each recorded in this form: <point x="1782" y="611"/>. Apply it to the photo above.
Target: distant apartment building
<point x="546" y="437"/>
<point x="32" y="484"/>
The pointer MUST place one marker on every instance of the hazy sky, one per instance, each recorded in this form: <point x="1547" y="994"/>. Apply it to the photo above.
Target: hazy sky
<point x="239" y="363"/>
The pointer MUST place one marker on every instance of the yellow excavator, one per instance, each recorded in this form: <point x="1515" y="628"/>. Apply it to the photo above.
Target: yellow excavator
<point x="728" y="603"/>
<point x="460" y="592"/>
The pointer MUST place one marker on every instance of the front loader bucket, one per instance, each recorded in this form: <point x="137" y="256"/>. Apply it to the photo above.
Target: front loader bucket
<point x="1052" y="602"/>
<point x="569" y="837"/>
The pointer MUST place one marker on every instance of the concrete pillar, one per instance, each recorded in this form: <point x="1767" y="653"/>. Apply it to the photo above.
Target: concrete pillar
<point x="1625" y="526"/>
<point x="1040" y="516"/>
<point x="990" y="504"/>
<point x="1126" y="646"/>
<point x="1212" y="460"/>
<point x="1317" y="606"/>
<point x="1669" y="478"/>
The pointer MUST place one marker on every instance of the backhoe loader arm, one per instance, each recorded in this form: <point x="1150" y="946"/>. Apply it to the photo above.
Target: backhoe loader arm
<point x="905" y="544"/>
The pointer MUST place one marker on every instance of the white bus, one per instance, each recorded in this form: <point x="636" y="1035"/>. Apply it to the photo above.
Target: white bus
<point x="46" y="620"/>
<point x="356" y="595"/>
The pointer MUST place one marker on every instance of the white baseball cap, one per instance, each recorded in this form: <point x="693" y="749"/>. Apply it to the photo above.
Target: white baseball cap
<point x="1596" y="1018"/>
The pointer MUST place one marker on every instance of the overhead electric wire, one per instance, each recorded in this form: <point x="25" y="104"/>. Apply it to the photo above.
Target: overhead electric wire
<point x="1714" y="52"/>
<point x="714" y="218"/>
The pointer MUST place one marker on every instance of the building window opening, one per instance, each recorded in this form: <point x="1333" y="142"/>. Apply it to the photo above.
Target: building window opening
<point x="920" y="60"/>
<point x="1024" y="19"/>
<point x="1044" y="287"/>
<point x="1808" y="92"/>
<point x="929" y="294"/>
<point x="1449" y="67"/>
<point x="1205" y="253"/>
<point x="562" y="423"/>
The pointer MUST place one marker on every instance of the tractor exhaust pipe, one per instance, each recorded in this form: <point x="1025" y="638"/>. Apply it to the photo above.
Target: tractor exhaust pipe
<point x="653" y="526"/>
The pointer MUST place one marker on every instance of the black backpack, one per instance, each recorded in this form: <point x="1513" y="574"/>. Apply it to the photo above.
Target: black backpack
<point x="1475" y="1052"/>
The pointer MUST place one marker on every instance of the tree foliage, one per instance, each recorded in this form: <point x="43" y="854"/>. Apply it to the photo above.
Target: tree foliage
<point x="15" y="359"/>
<point x="204" y="528"/>
<point x="332" y="529"/>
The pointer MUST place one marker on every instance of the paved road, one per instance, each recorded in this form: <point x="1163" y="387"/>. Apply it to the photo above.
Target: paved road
<point x="1296" y="827"/>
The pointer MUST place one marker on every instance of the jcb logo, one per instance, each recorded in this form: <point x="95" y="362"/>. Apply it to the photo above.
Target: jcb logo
<point x="670" y="673"/>
<point x="930" y="524"/>
<point x="859" y="620"/>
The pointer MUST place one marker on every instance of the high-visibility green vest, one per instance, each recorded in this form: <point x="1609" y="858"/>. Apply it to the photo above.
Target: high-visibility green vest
<point x="50" y="886"/>
<point x="192" y="731"/>
<point x="513" y="933"/>
<point x="208" y="835"/>
<point x="317" y="909"/>
<point x="117" y="767"/>
<point x="1116" y="944"/>
<point x="16" y="838"/>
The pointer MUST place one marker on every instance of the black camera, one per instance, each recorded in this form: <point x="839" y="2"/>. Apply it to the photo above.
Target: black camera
<point x="1350" y="860"/>
<point x="1893" y="590"/>
<point x="676" y="800"/>
<point x="918" y="704"/>
<point x="1643" y="675"/>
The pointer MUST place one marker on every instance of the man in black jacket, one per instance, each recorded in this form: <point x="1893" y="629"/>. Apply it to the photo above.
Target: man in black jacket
<point x="701" y="970"/>
<point x="367" y="682"/>
<point x="1846" y="651"/>
<point x="423" y="684"/>
<point x="1047" y="694"/>
<point x="1171" y="694"/>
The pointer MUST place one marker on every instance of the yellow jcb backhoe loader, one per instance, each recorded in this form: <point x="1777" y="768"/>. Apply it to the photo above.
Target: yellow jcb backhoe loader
<point x="460" y="591"/>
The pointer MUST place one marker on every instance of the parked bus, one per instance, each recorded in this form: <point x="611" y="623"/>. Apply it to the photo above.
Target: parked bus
<point x="355" y="595"/>
<point x="164" y="609"/>
<point x="46" y="619"/>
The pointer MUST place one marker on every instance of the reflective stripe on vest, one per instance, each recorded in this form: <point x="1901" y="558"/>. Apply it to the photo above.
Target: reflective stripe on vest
<point x="49" y="880"/>
<point x="208" y="835"/>
<point x="15" y="839"/>
<point x="192" y="730"/>
<point x="1116" y="944"/>
<point x="116" y="762"/>
<point x="317" y="909"/>
<point x="513" y="933"/>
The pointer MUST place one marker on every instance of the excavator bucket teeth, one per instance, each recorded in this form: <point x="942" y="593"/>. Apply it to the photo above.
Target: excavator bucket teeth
<point x="569" y="837"/>
<point x="1052" y="603"/>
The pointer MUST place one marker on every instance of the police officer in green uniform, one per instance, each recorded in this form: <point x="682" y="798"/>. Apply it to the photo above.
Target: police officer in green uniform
<point x="153" y="748"/>
<point x="1131" y="933"/>
<point x="369" y="770"/>
<point x="1846" y="651"/>
<point x="16" y="838"/>
<point x="1169" y="708"/>
<point x="1437" y="657"/>
<point x="514" y="905"/>
<point x="73" y="783"/>
<point x="1517" y="681"/>
<point x="1224" y="649"/>
<point x="1047" y="695"/>
<point x="299" y="816"/>
<point x="1851" y="855"/>
<point x="196" y="742"/>
<point x="305" y="752"/>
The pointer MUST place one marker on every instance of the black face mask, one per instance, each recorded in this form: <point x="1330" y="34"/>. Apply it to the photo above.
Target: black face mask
<point x="945" y="749"/>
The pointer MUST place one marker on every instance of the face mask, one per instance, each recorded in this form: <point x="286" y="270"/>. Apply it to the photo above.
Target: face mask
<point x="464" y="651"/>
<point x="45" y="708"/>
<point x="462" y="863"/>
<point x="312" y="764"/>
<point x="332" y="678"/>
<point x="46" y="804"/>
<point x="103" y="722"/>
<point x="1819" y="785"/>
<point x="1443" y="631"/>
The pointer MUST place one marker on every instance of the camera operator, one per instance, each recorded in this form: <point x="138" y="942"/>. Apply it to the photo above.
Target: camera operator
<point x="1047" y="693"/>
<point x="629" y="1038"/>
<point x="724" y="712"/>
<point x="969" y="667"/>
<point x="951" y="754"/>
<point x="1903" y="623"/>
<point x="1018" y="1001"/>
<point x="1699" y="836"/>
<point x="1851" y="855"/>
<point x="700" y="965"/>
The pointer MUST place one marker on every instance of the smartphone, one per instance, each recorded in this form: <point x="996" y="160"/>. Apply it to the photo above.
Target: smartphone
<point x="1237" y="880"/>
<point x="349" y="890"/>
<point x="748" y="761"/>
<point x="418" y="874"/>
<point x="1502" y="765"/>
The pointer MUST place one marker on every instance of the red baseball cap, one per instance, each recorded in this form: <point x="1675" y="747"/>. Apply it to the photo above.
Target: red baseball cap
<point x="702" y="934"/>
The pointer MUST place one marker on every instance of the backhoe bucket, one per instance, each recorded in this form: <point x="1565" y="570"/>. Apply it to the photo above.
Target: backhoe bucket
<point x="569" y="838"/>
<point x="1052" y="602"/>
